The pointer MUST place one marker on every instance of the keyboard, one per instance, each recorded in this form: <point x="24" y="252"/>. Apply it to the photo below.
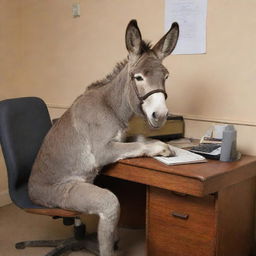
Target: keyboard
<point x="210" y="150"/>
<point x="181" y="157"/>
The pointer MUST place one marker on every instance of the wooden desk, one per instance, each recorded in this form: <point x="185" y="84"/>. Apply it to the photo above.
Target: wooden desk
<point x="201" y="209"/>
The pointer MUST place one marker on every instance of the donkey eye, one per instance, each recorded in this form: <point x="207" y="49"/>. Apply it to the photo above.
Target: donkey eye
<point x="166" y="77"/>
<point x="138" y="78"/>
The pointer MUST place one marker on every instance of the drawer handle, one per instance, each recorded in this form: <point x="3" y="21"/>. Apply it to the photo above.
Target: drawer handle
<point x="180" y="215"/>
<point x="179" y="194"/>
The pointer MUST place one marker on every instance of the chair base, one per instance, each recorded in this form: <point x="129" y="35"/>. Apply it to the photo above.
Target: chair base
<point x="80" y="241"/>
<point x="89" y="243"/>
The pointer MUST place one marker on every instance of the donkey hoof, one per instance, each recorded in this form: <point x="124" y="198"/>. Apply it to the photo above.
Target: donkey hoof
<point x="168" y="152"/>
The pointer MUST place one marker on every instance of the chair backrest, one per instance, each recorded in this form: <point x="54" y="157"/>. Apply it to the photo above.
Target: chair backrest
<point x="24" y="123"/>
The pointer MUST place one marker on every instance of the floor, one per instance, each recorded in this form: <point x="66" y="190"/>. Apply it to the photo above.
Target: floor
<point x="17" y="225"/>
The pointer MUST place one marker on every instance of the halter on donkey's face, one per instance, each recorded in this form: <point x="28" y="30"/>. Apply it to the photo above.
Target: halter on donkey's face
<point x="162" y="49"/>
<point x="140" y="77"/>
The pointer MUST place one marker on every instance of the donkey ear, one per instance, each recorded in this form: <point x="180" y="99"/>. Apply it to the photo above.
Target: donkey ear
<point x="133" y="38"/>
<point x="167" y="43"/>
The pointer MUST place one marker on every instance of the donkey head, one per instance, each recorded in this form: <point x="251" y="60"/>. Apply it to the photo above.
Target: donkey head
<point x="147" y="73"/>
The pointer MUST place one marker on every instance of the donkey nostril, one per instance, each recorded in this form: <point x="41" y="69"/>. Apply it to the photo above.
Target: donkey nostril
<point x="154" y="115"/>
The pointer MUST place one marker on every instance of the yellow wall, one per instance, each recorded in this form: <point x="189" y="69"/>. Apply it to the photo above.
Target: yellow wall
<point x="47" y="53"/>
<point x="10" y="47"/>
<point x="10" y="59"/>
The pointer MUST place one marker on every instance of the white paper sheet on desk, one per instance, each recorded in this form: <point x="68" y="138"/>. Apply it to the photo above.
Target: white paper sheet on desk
<point x="191" y="16"/>
<point x="182" y="157"/>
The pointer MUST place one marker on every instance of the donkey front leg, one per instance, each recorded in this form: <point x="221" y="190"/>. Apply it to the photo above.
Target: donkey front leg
<point x="115" y="151"/>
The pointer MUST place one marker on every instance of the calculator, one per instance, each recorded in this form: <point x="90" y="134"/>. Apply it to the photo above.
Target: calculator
<point x="208" y="150"/>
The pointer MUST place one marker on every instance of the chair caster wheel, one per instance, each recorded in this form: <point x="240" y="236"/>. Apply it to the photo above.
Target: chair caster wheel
<point x="116" y="247"/>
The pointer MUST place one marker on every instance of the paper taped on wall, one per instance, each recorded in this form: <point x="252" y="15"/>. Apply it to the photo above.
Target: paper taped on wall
<point x="191" y="16"/>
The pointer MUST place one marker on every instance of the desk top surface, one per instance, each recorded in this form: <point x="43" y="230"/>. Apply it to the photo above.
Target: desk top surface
<point x="196" y="179"/>
<point x="200" y="171"/>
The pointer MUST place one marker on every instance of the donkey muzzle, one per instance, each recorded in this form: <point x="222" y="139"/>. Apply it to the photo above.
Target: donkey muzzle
<point x="157" y="119"/>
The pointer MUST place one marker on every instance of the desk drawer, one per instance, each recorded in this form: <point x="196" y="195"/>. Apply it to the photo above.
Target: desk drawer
<point x="180" y="225"/>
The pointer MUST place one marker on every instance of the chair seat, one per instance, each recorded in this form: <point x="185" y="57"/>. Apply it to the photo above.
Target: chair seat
<point x="53" y="212"/>
<point x="23" y="201"/>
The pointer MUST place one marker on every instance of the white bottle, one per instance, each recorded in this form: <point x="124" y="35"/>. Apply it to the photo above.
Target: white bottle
<point x="228" y="146"/>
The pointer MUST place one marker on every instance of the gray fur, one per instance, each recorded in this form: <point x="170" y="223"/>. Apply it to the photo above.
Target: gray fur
<point x="90" y="135"/>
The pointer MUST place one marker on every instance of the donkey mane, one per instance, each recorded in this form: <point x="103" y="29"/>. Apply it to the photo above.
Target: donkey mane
<point x="145" y="47"/>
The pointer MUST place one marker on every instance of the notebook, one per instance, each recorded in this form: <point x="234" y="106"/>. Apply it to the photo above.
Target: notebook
<point x="182" y="157"/>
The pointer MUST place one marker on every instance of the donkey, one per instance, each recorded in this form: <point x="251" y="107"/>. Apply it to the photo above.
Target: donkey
<point x="91" y="134"/>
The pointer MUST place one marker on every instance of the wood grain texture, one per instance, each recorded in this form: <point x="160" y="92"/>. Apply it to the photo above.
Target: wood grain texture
<point x="155" y="178"/>
<point x="217" y="209"/>
<point x="169" y="235"/>
<point x="235" y="219"/>
<point x="194" y="179"/>
<point x="200" y="171"/>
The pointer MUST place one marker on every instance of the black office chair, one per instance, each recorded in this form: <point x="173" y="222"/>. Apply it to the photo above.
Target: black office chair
<point x="24" y="123"/>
